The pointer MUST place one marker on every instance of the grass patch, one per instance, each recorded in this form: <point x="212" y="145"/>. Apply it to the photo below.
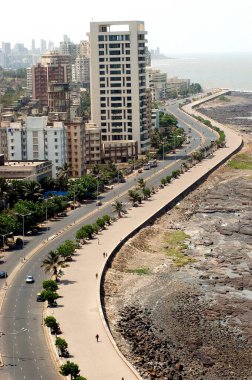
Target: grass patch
<point x="139" y="271"/>
<point x="176" y="247"/>
<point x="224" y="98"/>
<point x="242" y="161"/>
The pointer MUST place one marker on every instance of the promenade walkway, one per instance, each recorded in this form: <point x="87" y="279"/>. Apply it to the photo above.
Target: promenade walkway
<point x="80" y="316"/>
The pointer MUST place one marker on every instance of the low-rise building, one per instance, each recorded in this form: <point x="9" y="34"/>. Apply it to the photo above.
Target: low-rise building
<point x="33" y="170"/>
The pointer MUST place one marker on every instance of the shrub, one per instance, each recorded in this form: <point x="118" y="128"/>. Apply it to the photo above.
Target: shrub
<point x="50" y="285"/>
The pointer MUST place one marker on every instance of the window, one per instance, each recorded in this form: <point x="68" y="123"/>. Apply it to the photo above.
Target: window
<point x="55" y="140"/>
<point x="101" y="52"/>
<point x="114" y="52"/>
<point x="101" y="46"/>
<point x="101" y="59"/>
<point x="100" y="38"/>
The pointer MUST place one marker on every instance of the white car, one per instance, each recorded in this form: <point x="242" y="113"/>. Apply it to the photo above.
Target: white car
<point x="29" y="279"/>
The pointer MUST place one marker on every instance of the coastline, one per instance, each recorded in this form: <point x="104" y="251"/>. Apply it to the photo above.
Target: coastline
<point x="163" y="306"/>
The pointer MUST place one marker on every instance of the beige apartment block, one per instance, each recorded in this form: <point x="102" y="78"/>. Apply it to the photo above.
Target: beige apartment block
<point x="93" y="145"/>
<point x="118" y="81"/>
<point x="76" y="147"/>
<point x="119" y="151"/>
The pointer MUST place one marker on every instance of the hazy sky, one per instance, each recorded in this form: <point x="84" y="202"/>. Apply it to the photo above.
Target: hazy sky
<point x="176" y="26"/>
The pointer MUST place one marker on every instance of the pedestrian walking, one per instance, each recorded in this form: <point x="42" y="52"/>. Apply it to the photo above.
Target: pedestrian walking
<point x="96" y="275"/>
<point x="97" y="338"/>
<point x="104" y="254"/>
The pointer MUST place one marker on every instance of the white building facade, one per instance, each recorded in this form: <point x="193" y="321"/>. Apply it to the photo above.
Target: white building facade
<point x="118" y="81"/>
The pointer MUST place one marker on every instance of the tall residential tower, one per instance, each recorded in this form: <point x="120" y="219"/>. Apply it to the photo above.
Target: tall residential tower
<point x="118" y="87"/>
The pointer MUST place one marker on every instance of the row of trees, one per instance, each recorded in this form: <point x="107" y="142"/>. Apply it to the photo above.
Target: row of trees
<point x="168" y="136"/>
<point x="221" y="140"/>
<point x="69" y="368"/>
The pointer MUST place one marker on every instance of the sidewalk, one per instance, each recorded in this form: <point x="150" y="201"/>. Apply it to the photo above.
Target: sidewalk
<point x="79" y="311"/>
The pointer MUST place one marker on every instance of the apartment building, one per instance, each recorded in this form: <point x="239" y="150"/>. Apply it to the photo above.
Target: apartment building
<point x="157" y="81"/>
<point x="93" y="147"/>
<point x="176" y="85"/>
<point x="76" y="147"/>
<point x="118" y="83"/>
<point x="54" y="68"/>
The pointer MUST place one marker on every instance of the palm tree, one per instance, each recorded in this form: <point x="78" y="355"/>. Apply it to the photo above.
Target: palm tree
<point x="53" y="263"/>
<point x="146" y="192"/>
<point x="63" y="176"/>
<point x="119" y="208"/>
<point x="31" y="190"/>
<point x="134" y="197"/>
<point x="141" y="183"/>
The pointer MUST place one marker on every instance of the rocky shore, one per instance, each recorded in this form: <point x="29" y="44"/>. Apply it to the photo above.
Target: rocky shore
<point x="178" y="296"/>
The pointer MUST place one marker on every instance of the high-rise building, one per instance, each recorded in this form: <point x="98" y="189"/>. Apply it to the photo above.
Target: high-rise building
<point x="118" y="87"/>
<point x="50" y="81"/>
<point x="42" y="46"/>
<point x="33" y="47"/>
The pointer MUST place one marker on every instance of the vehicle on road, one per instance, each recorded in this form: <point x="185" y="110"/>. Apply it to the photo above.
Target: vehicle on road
<point x="3" y="274"/>
<point x="153" y="163"/>
<point x="39" y="298"/>
<point x="29" y="279"/>
<point x="98" y="203"/>
<point x="146" y="166"/>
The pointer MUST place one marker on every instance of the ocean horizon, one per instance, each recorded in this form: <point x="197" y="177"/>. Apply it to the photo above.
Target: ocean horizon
<point x="211" y="70"/>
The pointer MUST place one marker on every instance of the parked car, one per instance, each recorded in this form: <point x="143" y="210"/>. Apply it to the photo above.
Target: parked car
<point x="3" y="274"/>
<point x="39" y="298"/>
<point x="29" y="279"/>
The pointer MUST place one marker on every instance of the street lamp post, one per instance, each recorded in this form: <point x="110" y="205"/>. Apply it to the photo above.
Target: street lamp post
<point x="46" y="214"/>
<point x="97" y="190"/>
<point x="23" y="217"/>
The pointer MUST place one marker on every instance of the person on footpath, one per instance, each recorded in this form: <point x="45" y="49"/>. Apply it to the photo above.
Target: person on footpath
<point x="97" y="338"/>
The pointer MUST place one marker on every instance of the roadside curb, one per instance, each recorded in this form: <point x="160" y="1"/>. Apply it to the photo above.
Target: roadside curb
<point x="51" y="345"/>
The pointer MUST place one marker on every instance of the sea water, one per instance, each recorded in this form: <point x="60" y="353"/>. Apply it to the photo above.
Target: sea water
<point x="212" y="70"/>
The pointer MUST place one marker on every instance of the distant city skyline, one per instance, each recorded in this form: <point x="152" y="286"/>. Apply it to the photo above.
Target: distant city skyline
<point x="175" y="26"/>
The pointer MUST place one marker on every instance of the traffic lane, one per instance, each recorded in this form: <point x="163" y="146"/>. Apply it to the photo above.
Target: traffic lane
<point x="21" y="311"/>
<point x="186" y="119"/>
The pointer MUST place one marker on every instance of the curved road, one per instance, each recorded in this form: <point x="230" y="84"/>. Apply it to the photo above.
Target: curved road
<point x="23" y="346"/>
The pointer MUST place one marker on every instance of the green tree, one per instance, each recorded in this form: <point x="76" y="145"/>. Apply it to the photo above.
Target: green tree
<point x="9" y="223"/>
<point x="119" y="208"/>
<point x="81" y="234"/>
<point x="96" y="228"/>
<point x="146" y="192"/>
<point x="141" y="183"/>
<point x="134" y="197"/>
<point x="61" y="344"/>
<point x="88" y="228"/>
<point x="50" y="285"/>
<point x="31" y="190"/>
<point x="70" y="368"/>
<point x="107" y="219"/>
<point x="49" y="296"/>
<point x="101" y="223"/>
<point x="53" y="263"/>
<point x="51" y="322"/>
<point x="66" y="250"/>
